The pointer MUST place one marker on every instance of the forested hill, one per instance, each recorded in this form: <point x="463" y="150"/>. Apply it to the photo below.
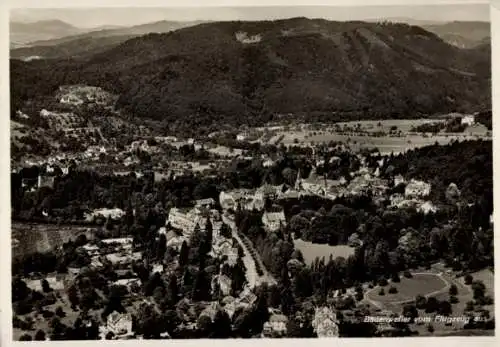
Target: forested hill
<point x="246" y="72"/>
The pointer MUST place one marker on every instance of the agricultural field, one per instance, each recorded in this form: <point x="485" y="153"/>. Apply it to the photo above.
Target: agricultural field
<point x="362" y="134"/>
<point x="31" y="238"/>
<point x="312" y="250"/>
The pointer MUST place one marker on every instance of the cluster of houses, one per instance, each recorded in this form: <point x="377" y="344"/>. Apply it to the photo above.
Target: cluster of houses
<point x="117" y="251"/>
<point x="78" y="94"/>
<point x="414" y="195"/>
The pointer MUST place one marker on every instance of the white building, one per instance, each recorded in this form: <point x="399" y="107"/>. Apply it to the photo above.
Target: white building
<point x="273" y="220"/>
<point x="468" y="120"/>
<point x="417" y="189"/>
<point x="186" y="222"/>
<point x="119" y="323"/>
<point x="325" y="323"/>
<point x="276" y="326"/>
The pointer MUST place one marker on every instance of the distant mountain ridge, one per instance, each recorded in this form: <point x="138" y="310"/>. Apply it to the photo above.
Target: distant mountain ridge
<point x="235" y="72"/>
<point x="462" y="34"/>
<point x="22" y="33"/>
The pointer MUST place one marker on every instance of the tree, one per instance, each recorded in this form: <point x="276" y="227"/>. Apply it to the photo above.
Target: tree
<point x="407" y="274"/>
<point x="453" y="290"/>
<point x="40" y="335"/>
<point x="173" y="290"/>
<point x="430" y="328"/>
<point x="201" y="287"/>
<point x="184" y="254"/>
<point x="468" y="279"/>
<point x="381" y="291"/>
<point x="393" y="290"/>
<point x="60" y="312"/>
<point x="204" y="325"/>
<point x="445" y="308"/>
<point x="162" y="247"/>
<point x="25" y="337"/>
<point x="221" y="327"/>
<point x="478" y="289"/>
<point x="45" y="286"/>
<point x="469" y="306"/>
<point x="73" y="296"/>
<point x="432" y="305"/>
<point x="420" y="302"/>
<point x="395" y="277"/>
<point x="410" y="311"/>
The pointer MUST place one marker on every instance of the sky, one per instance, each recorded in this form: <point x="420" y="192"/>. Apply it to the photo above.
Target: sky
<point x="93" y="17"/>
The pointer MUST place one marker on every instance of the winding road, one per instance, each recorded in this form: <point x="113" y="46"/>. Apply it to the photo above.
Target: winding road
<point x="253" y="277"/>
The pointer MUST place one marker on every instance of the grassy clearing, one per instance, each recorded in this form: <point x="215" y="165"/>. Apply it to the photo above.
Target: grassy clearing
<point x="312" y="250"/>
<point x="409" y="288"/>
<point x="43" y="237"/>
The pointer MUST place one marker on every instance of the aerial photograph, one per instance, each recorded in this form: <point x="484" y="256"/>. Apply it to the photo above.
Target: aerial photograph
<point x="251" y="172"/>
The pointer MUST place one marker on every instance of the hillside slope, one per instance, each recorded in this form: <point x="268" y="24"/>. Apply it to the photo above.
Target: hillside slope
<point x="77" y="48"/>
<point x="196" y="78"/>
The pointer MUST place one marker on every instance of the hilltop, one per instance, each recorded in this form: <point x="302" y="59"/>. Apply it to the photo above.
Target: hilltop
<point x="250" y="72"/>
<point x="23" y="33"/>
<point x="84" y="44"/>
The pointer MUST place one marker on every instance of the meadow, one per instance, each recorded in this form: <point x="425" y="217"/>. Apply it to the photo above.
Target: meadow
<point x="311" y="251"/>
<point x="32" y="238"/>
<point x="426" y="284"/>
<point x="365" y="135"/>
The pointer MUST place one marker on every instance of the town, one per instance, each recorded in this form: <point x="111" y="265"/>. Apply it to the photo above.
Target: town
<point x="263" y="201"/>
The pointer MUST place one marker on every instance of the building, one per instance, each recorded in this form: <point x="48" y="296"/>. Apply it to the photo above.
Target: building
<point x="276" y="326"/>
<point x="427" y="207"/>
<point x="128" y="282"/>
<point x="211" y="310"/>
<point x="247" y="297"/>
<point x="123" y="243"/>
<point x="46" y="181"/>
<point x="207" y="203"/>
<point x="55" y="282"/>
<point x="157" y="268"/>
<point x="223" y="282"/>
<point x="91" y="250"/>
<point x="119" y="323"/>
<point x="273" y="220"/>
<point x="176" y="242"/>
<point x="186" y="221"/>
<point x="468" y="120"/>
<point x="241" y="137"/>
<point x="113" y="213"/>
<point x="123" y="259"/>
<point x="398" y="179"/>
<point x="325" y="322"/>
<point x="417" y="189"/>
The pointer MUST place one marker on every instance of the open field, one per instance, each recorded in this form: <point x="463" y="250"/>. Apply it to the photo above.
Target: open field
<point x="31" y="238"/>
<point x="312" y="250"/>
<point x="360" y="134"/>
<point x="437" y="286"/>
<point x="421" y="284"/>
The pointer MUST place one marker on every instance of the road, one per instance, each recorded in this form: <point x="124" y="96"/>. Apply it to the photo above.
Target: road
<point x="253" y="277"/>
